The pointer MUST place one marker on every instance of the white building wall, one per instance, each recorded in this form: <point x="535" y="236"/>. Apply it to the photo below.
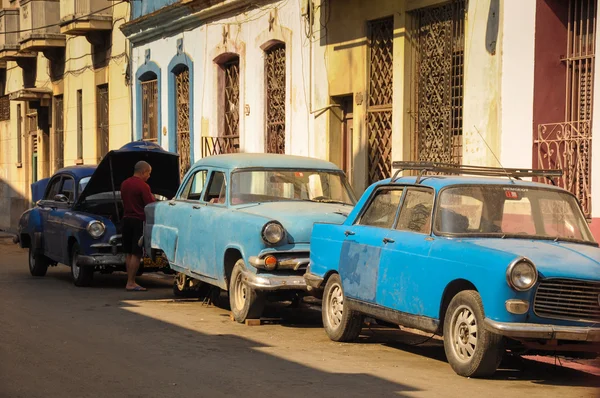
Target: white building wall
<point x="248" y="35"/>
<point x="518" y="54"/>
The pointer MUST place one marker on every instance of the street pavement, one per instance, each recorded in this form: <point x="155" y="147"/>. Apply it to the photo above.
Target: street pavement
<point x="58" y="340"/>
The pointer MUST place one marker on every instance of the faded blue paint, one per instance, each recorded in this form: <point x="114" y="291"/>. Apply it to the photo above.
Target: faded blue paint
<point x="145" y="7"/>
<point x="206" y="232"/>
<point x="147" y="71"/>
<point x="180" y="61"/>
<point x="413" y="272"/>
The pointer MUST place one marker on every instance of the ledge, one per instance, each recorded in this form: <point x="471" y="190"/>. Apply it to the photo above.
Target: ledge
<point x="43" y="95"/>
<point x="40" y="42"/>
<point x="71" y="25"/>
<point x="12" y="53"/>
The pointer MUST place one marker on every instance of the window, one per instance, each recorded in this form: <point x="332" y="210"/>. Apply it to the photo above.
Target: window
<point x="230" y="72"/>
<point x="150" y="109"/>
<point x="415" y="214"/>
<point x="381" y="211"/>
<point x="59" y="151"/>
<point x="102" y="120"/>
<point x="53" y="188"/>
<point x="193" y="188"/>
<point x="79" y="124"/>
<point x="215" y="192"/>
<point x="275" y="80"/>
<point x="68" y="188"/>
<point x="19" y="135"/>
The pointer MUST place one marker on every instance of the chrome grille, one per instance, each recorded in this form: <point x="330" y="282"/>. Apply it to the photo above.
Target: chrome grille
<point x="568" y="299"/>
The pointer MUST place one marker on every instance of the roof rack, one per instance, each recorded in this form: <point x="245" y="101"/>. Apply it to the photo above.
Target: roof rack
<point x="434" y="167"/>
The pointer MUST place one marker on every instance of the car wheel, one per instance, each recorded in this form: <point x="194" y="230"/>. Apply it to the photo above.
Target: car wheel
<point x="38" y="263"/>
<point x="184" y="286"/>
<point x="82" y="276"/>
<point x="245" y="302"/>
<point x="471" y="349"/>
<point x="340" y="323"/>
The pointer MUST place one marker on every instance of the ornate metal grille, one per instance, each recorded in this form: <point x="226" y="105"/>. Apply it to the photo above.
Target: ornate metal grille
<point x="440" y="38"/>
<point x="568" y="145"/>
<point x="79" y="124"/>
<point x="182" y="86"/>
<point x="379" y="109"/>
<point x="231" y="114"/>
<point x="59" y="151"/>
<point x="218" y="145"/>
<point x="4" y="108"/>
<point x="275" y="87"/>
<point x="102" y="120"/>
<point x="149" y="109"/>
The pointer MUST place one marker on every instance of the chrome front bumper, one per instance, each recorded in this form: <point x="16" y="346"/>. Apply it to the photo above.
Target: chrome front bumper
<point x="101" y="259"/>
<point x="546" y="332"/>
<point x="313" y="281"/>
<point x="270" y="283"/>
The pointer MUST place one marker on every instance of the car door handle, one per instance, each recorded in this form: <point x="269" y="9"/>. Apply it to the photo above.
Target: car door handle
<point x="388" y="240"/>
<point x="347" y="233"/>
<point x="171" y="203"/>
<point x="196" y="207"/>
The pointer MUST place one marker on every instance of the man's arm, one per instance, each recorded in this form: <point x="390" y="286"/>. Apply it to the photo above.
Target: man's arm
<point x="147" y="195"/>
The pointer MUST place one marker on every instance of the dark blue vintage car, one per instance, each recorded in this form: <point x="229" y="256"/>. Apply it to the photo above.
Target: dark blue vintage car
<point x="76" y="218"/>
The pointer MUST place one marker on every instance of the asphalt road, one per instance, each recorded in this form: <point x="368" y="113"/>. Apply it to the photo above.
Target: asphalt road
<point x="58" y="340"/>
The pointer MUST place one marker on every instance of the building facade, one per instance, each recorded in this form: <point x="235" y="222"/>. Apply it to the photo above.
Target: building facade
<point x="66" y="93"/>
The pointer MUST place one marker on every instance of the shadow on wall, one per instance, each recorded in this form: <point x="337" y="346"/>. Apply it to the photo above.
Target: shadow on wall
<point x="493" y="23"/>
<point x="13" y="204"/>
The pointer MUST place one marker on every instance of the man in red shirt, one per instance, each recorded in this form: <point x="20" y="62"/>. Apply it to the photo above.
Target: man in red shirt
<point x="135" y="194"/>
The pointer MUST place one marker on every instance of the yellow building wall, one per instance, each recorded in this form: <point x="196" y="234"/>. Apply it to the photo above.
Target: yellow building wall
<point x="346" y="66"/>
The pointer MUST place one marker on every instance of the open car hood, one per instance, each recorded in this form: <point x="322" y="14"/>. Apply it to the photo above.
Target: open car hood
<point x="164" y="179"/>
<point x="38" y="188"/>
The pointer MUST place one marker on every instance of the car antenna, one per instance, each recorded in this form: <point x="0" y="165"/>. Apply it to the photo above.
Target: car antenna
<point x="496" y="157"/>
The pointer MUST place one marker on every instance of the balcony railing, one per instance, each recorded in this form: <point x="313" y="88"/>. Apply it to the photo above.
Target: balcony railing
<point x="220" y="145"/>
<point x="39" y="24"/>
<point x="79" y="17"/>
<point x="568" y="146"/>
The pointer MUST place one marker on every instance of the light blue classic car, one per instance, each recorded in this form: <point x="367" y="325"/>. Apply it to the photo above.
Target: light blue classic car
<point x="492" y="264"/>
<point x="242" y="222"/>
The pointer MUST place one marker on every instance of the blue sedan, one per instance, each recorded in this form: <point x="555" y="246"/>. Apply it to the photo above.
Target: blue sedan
<point x="76" y="218"/>
<point x="489" y="263"/>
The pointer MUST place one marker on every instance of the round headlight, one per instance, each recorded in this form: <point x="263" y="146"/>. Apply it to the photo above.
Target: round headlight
<point x="96" y="229"/>
<point x="521" y="274"/>
<point x="273" y="233"/>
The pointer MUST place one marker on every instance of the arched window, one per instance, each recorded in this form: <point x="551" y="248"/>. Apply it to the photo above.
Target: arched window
<point x="275" y="98"/>
<point x="149" y="98"/>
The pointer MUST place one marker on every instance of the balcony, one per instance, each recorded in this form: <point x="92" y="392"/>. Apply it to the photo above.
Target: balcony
<point x="39" y="21"/>
<point x="9" y="44"/>
<point x="41" y="95"/>
<point x="220" y="145"/>
<point x="81" y="17"/>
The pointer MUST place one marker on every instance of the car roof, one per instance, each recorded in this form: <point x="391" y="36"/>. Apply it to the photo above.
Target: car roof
<point x="80" y="171"/>
<point x="439" y="182"/>
<point x="267" y="160"/>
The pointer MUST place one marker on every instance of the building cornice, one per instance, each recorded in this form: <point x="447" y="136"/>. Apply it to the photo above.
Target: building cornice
<point x="185" y="15"/>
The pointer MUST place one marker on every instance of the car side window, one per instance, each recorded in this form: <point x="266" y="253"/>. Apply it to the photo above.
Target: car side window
<point x="194" y="186"/>
<point x="381" y="211"/>
<point x="68" y="188"/>
<point x="215" y="193"/>
<point x="53" y="188"/>
<point x="415" y="214"/>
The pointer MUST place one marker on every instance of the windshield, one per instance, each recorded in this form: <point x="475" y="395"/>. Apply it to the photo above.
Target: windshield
<point x="252" y="186"/>
<point x="505" y="210"/>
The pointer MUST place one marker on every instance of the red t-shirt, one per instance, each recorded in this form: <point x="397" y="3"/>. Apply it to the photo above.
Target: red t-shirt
<point x="136" y="195"/>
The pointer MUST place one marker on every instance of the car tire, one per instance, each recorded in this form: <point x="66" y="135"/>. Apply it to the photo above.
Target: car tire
<point x="340" y="323"/>
<point x="245" y="302"/>
<point x="471" y="349"/>
<point x="182" y="287"/>
<point x="82" y="276"/>
<point x="38" y="263"/>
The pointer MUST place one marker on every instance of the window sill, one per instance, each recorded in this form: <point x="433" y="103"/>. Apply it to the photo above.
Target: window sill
<point x="79" y="161"/>
<point x="19" y="165"/>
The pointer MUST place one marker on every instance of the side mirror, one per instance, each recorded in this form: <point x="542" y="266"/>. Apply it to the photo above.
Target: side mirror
<point x="60" y="198"/>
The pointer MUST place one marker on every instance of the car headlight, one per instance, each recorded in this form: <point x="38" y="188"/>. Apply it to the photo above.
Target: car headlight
<point x="273" y="233"/>
<point x="521" y="274"/>
<point x="96" y="229"/>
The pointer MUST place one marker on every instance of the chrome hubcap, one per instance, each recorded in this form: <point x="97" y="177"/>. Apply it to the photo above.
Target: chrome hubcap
<point x="240" y="292"/>
<point x="74" y="267"/>
<point x="180" y="281"/>
<point x="335" y="306"/>
<point x="464" y="333"/>
<point x="31" y="259"/>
